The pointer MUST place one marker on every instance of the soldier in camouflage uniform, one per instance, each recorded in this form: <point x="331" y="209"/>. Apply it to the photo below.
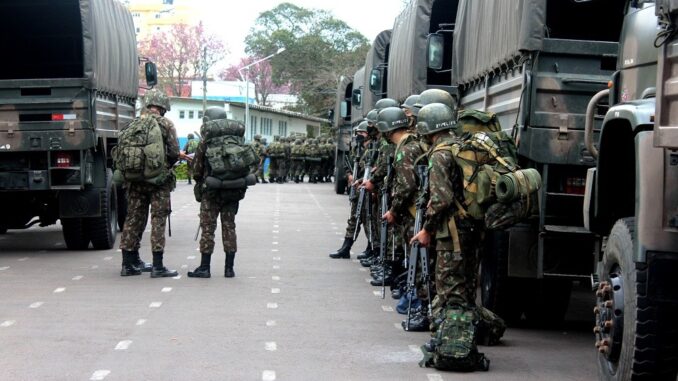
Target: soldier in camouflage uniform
<point x="260" y="150"/>
<point x="332" y="152"/>
<point x="276" y="154"/>
<point x="189" y="148"/>
<point x="324" y="158"/>
<point x="297" y="161"/>
<point x="215" y="203"/>
<point x="141" y="196"/>
<point x="313" y="159"/>
<point x="286" y="162"/>
<point x="457" y="239"/>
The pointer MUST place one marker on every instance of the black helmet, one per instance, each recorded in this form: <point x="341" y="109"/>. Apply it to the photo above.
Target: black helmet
<point x="435" y="117"/>
<point x="435" y="96"/>
<point x="410" y="102"/>
<point x="386" y="102"/>
<point x="214" y="113"/>
<point x="190" y="137"/>
<point x="391" y="118"/>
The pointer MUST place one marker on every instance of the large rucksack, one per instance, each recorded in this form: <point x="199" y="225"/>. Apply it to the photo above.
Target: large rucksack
<point x="227" y="155"/>
<point x="140" y="153"/>
<point x="454" y="346"/>
<point x="495" y="189"/>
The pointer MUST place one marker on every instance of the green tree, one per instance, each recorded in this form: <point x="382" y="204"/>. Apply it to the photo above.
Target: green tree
<point x="319" y="49"/>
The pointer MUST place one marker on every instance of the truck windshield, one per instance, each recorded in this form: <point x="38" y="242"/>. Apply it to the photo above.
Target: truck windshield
<point x="41" y="39"/>
<point x="597" y="20"/>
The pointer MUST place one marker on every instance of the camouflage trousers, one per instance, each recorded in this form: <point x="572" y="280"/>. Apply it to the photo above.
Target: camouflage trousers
<point x="313" y="168"/>
<point x="283" y="168"/>
<point x="352" y="222"/>
<point x="456" y="274"/>
<point x="139" y="198"/>
<point x="274" y="168"/>
<point x="297" y="167"/>
<point x="211" y="207"/>
<point x="260" y="172"/>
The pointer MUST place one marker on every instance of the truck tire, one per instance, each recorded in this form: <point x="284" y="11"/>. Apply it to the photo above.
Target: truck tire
<point x="340" y="181"/>
<point x="639" y="341"/>
<point x="75" y="236"/>
<point x="3" y="229"/>
<point x="103" y="229"/>
<point x="122" y="206"/>
<point x="500" y="293"/>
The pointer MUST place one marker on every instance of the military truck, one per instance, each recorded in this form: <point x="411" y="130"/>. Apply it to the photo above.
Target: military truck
<point x="343" y="135"/>
<point x="631" y="201"/>
<point x="68" y="83"/>
<point x="533" y="67"/>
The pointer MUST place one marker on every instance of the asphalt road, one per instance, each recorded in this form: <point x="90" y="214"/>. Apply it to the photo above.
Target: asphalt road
<point x="291" y="313"/>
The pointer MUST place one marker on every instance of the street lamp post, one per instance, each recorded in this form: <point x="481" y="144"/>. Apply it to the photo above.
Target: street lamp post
<point x="247" y="88"/>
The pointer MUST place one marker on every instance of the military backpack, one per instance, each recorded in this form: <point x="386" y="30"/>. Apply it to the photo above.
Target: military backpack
<point x="140" y="154"/>
<point x="454" y="346"/>
<point x="227" y="155"/>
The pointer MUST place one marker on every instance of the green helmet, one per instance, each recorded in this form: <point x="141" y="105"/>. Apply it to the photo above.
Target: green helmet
<point x="297" y="142"/>
<point x="257" y="137"/>
<point x="372" y="116"/>
<point x="435" y="96"/>
<point x="386" y="102"/>
<point x="214" y="113"/>
<point x="362" y="127"/>
<point x="391" y="118"/>
<point x="330" y="141"/>
<point x="276" y="138"/>
<point x="190" y="137"/>
<point x="435" y="117"/>
<point x="155" y="97"/>
<point x="410" y="102"/>
<point x="263" y="141"/>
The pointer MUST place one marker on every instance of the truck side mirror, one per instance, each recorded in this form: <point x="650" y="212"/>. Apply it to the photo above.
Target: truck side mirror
<point x="435" y="51"/>
<point x="357" y="98"/>
<point x="151" y="74"/>
<point x="375" y="81"/>
<point x="343" y="109"/>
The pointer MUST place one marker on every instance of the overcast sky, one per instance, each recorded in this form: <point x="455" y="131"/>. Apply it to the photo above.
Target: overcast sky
<point x="232" y="19"/>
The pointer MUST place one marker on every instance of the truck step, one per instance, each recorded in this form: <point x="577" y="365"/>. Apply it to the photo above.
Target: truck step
<point x="566" y="229"/>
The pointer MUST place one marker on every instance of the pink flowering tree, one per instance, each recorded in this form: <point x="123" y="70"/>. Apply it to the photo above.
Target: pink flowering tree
<point x="260" y="75"/>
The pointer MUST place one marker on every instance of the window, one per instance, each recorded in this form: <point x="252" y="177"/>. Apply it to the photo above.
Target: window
<point x="138" y="30"/>
<point x="199" y="114"/>
<point x="190" y="114"/>
<point x="282" y="128"/>
<point x="266" y="126"/>
<point x="182" y="114"/>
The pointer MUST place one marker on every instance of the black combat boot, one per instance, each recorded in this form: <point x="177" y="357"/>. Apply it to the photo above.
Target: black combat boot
<point x="344" y="251"/>
<point x="202" y="271"/>
<point x="418" y="321"/>
<point x="228" y="269"/>
<point x="367" y="253"/>
<point x="159" y="270"/>
<point x="139" y="263"/>
<point x="385" y="276"/>
<point x="128" y="269"/>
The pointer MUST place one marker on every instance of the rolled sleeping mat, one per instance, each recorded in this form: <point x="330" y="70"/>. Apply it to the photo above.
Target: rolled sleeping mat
<point x="517" y="184"/>
<point x="243" y="182"/>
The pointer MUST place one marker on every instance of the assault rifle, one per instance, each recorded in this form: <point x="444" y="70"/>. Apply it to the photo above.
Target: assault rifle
<point x="369" y="161"/>
<point x="384" y="224"/>
<point x="356" y="162"/>
<point x="417" y="251"/>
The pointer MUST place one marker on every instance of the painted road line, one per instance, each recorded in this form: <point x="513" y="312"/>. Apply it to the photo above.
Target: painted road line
<point x="141" y="322"/>
<point x="387" y="308"/>
<point x="7" y="323"/>
<point x="275" y="291"/>
<point x="191" y="257"/>
<point x="271" y="346"/>
<point x="177" y="277"/>
<point x="271" y="323"/>
<point x="77" y="277"/>
<point x="377" y="293"/>
<point x="275" y="243"/>
<point x="398" y="326"/>
<point x="268" y="375"/>
<point x="166" y="289"/>
<point x="59" y="290"/>
<point x="414" y="348"/>
<point x="107" y="258"/>
<point x="276" y="267"/>
<point x="94" y="267"/>
<point x="363" y="269"/>
<point x="184" y="266"/>
<point x="123" y="345"/>
<point x="276" y="258"/>
<point x="272" y="306"/>
<point x="274" y="250"/>
<point x="36" y="305"/>
<point x="155" y="305"/>
<point x="275" y="277"/>
<point x="434" y="377"/>
<point x="4" y="268"/>
<point x="99" y="375"/>
<point x="275" y="231"/>
<point x="22" y="259"/>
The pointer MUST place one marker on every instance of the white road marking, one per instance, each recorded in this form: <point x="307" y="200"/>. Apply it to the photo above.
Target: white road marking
<point x="123" y="345"/>
<point x="276" y="258"/>
<point x="99" y="375"/>
<point x="36" y="305"/>
<point x="272" y="305"/>
<point x="334" y="228"/>
<point x="4" y="268"/>
<point x="251" y="277"/>
<point x="271" y="323"/>
<point x="184" y="266"/>
<point x="376" y="293"/>
<point x="275" y="243"/>
<point x="107" y="258"/>
<point x="368" y="280"/>
<point x="191" y="257"/>
<point x="276" y="267"/>
<point x="141" y="322"/>
<point x="155" y="305"/>
<point x="275" y="277"/>
<point x="387" y="308"/>
<point x="275" y="231"/>
<point x="177" y="277"/>
<point x="166" y="289"/>
<point x="271" y="346"/>
<point x="119" y="250"/>
<point x="275" y="291"/>
<point x="59" y="290"/>
<point x="198" y="249"/>
<point x="414" y="348"/>
<point x="355" y="260"/>
<point x="363" y="269"/>
<point x="77" y="277"/>
<point x="398" y="326"/>
<point x="94" y="267"/>
<point x="276" y="226"/>
<point x="274" y="250"/>
<point x="7" y="323"/>
<point x="22" y="259"/>
<point x="337" y="233"/>
<point x="268" y="375"/>
<point x="434" y="377"/>
<point x="333" y="223"/>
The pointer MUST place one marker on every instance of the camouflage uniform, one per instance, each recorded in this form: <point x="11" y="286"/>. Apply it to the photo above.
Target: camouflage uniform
<point x="189" y="148"/>
<point x="285" y="164"/>
<point x="405" y="185"/>
<point x="297" y="161"/>
<point x="276" y="152"/>
<point x="260" y="149"/>
<point x="142" y="195"/>
<point x="313" y="160"/>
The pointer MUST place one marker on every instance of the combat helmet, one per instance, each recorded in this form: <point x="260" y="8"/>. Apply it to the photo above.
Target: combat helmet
<point x="257" y="137"/>
<point x="297" y="142"/>
<point x="214" y="113"/>
<point x="435" y="117"/>
<point x="410" y="102"/>
<point x="372" y="116"/>
<point x="155" y="97"/>
<point x="362" y="127"/>
<point x="391" y="118"/>
<point x="435" y="96"/>
<point x="190" y="136"/>
<point x="386" y="102"/>
<point x="329" y="141"/>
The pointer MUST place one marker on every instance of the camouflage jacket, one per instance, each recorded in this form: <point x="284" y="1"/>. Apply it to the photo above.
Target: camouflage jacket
<point x="405" y="184"/>
<point x="259" y="149"/>
<point x="386" y="149"/>
<point x="443" y="174"/>
<point x="297" y="152"/>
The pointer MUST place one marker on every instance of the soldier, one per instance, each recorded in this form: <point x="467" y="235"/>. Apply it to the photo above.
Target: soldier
<point x="274" y="153"/>
<point x="189" y="149"/>
<point x="411" y="111"/>
<point x="141" y="195"/>
<point x="332" y="149"/>
<point x="260" y="149"/>
<point x="286" y="162"/>
<point x="215" y="203"/>
<point x="297" y="161"/>
<point x="313" y="159"/>
<point x="457" y="239"/>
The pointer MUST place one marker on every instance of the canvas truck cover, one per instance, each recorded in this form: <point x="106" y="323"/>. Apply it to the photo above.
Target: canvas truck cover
<point x="344" y="83"/>
<point x="407" y="64"/>
<point x="376" y="56"/>
<point x="490" y="33"/>
<point x="90" y="40"/>
<point x="357" y="111"/>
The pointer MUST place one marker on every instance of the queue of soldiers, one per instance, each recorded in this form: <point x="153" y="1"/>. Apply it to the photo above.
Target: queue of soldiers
<point x="292" y="159"/>
<point x="408" y="196"/>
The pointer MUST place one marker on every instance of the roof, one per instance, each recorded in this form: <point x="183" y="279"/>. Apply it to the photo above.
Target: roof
<point x="271" y="110"/>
